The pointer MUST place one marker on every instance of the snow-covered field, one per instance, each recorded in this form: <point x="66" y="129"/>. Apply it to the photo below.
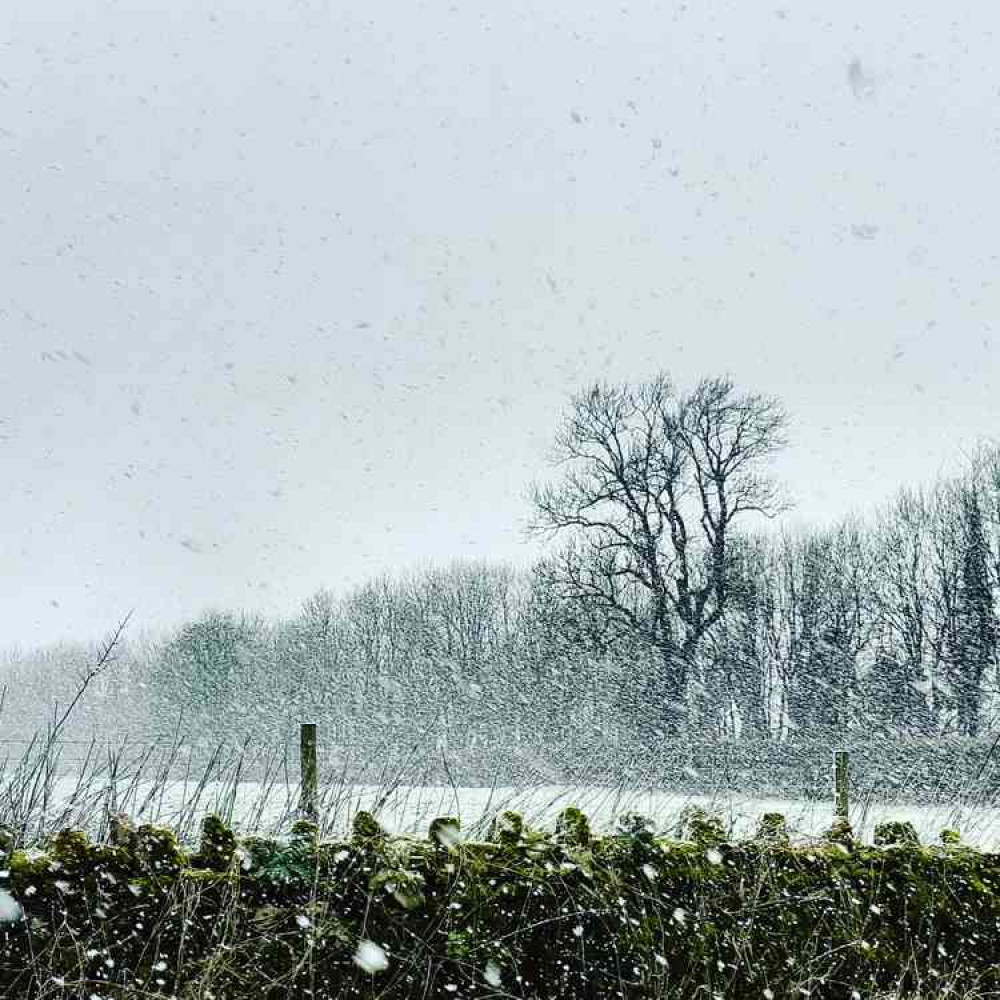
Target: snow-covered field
<point x="256" y="807"/>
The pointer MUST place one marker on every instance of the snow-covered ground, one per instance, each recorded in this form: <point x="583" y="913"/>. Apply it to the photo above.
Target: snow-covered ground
<point x="254" y="807"/>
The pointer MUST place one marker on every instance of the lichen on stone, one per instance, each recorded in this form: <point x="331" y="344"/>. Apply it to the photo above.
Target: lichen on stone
<point x="772" y="828"/>
<point x="573" y="828"/>
<point x="217" y="845"/>
<point x="701" y="827"/>
<point x="366" y="828"/>
<point x="445" y="832"/>
<point x="895" y="834"/>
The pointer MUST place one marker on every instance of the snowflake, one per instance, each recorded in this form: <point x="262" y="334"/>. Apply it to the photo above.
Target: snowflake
<point x="371" y="957"/>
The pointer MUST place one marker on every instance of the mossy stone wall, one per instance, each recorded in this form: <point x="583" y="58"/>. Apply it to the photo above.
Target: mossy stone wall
<point x="524" y="914"/>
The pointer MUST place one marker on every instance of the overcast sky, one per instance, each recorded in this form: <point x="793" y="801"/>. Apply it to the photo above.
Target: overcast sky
<point x="292" y="293"/>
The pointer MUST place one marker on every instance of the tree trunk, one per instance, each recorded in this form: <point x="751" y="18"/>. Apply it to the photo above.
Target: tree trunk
<point x="673" y="693"/>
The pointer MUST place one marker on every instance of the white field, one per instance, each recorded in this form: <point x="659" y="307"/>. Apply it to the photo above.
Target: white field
<point x="255" y="807"/>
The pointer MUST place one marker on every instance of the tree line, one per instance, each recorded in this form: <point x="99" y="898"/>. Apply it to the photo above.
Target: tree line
<point x="669" y="602"/>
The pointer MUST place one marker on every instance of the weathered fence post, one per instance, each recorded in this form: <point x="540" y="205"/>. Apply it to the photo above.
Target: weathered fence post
<point x="309" y="771"/>
<point x="840" y="769"/>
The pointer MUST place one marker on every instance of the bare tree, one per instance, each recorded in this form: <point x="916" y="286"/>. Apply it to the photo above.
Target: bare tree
<point x="653" y="484"/>
<point x="902" y="686"/>
<point x="741" y="671"/>
<point x="825" y="614"/>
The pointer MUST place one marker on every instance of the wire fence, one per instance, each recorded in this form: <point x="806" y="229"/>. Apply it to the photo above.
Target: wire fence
<point x="928" y="768"/>
<point x="48" y="784"/>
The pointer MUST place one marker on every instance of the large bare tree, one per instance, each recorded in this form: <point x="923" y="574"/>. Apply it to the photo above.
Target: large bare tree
<point x="653" y="482"/>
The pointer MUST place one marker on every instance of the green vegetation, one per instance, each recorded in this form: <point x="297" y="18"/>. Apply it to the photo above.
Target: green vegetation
<point x="524" y="914"/>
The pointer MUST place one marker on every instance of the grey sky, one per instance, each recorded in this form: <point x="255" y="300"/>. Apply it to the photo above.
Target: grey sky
<point x="294" y="292"/>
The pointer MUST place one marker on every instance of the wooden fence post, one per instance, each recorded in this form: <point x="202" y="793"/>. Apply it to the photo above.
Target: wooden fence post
<point x="309" y="771"/>
<point x="840" y="768"/>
